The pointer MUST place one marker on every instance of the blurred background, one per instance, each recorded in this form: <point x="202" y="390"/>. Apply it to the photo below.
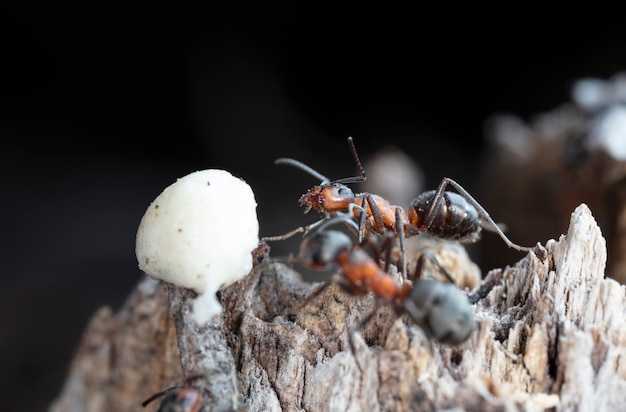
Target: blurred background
<point x="104" y="104"/>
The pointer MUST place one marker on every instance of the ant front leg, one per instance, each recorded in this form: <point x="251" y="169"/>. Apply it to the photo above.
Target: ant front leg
<point x="375" y="212"/>
<point x="368" y="201"/>
<point x="302" y="229"/>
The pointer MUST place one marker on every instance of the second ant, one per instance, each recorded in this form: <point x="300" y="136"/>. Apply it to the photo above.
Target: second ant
<point x="441" y="310"/>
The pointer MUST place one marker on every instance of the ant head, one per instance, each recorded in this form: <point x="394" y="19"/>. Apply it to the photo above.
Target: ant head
<point x="321" y="249"/>
<point x="328" y="197"/>
<point x="441" y="310"/>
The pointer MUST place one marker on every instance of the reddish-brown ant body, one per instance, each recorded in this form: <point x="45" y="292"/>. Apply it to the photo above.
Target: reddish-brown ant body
<point x="440" y="309"/>
<point x="438" y="213"/>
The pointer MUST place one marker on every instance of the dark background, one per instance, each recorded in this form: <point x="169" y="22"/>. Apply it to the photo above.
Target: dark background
<point x="104" y="104"/>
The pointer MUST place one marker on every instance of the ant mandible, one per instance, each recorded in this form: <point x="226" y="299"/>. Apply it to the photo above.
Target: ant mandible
<point x="438" y="213"/>
<point x="440" y="309"/>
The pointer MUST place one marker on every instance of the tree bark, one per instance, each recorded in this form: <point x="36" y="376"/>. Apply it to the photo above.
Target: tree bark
<point x="551" y="335"/>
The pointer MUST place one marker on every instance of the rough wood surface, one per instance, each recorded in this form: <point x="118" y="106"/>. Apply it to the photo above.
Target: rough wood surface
<point x="551" y="334"/>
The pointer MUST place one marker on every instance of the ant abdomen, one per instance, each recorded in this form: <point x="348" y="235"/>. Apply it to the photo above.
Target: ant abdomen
<point x="442" y="310"/>
<point x="455" y="219"/>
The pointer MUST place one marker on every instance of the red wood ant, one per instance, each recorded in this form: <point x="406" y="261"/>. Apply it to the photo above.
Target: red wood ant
<point x="177" y="399"/>
<point x="438" y="213"/>
<point x="440" y="309"/>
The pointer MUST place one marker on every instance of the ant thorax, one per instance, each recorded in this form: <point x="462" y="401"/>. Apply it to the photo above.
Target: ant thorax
<point x="456" y="219"/>
<point x="387" y="212"/>
<point x="328" y="198"/>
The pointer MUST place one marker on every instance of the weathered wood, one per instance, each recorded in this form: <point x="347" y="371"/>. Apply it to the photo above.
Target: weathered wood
<point x="551" y="334"/>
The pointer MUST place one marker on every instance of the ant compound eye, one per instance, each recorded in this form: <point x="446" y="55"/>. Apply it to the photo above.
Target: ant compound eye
<point x="199" y="233"/>
<point x="344" y="191"/>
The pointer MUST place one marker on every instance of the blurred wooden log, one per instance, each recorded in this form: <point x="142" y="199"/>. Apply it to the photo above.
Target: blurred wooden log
<point x="551" y="334"/>
<point x="535" y="173"/>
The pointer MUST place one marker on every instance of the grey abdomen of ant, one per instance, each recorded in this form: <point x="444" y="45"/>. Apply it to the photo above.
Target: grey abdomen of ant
<point x="441" y="310"/>
<point x="455" y="219"/>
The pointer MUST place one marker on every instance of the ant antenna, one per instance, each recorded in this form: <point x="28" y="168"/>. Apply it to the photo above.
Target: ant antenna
<point x="357" y="161"/>
<point x="323" y="179"/>
<point x="305" y="168"/>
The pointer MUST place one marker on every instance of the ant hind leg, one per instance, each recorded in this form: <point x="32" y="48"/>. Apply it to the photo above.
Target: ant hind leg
<point x="491" y="225"/>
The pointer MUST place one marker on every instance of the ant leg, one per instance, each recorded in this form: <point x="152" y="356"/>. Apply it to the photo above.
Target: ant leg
<point x="350" y="288"/>
<point x="344" y="218"/>
<point x="376" y="213"/>
<point x="302" y="229"/>
<point x="484" y="215"/>
<point x="387" y="247"/>
<point x="354" y="329"/>
<point x="428" y="254"/>
<point x="400" y="233"/>
<point x="362" y="217"/>
<point x="419" y="269"/>
<point x="313" y="295"/>
<point x="436" y="204"/>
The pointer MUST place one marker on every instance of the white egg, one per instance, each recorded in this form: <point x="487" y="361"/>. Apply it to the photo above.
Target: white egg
<point x="199" y="233"/>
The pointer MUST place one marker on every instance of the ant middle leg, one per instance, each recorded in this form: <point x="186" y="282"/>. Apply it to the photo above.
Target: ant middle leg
<point x="386" y="248"/>
<point x="368" y="201"/>
<point x="436" y="204"/>
<point x="399" y="232"/>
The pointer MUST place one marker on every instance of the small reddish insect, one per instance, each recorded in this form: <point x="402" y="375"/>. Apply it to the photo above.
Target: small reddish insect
<point x="177" y="399"/>
<point x="440" y="309"/>
<point x="438" y="213"/>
